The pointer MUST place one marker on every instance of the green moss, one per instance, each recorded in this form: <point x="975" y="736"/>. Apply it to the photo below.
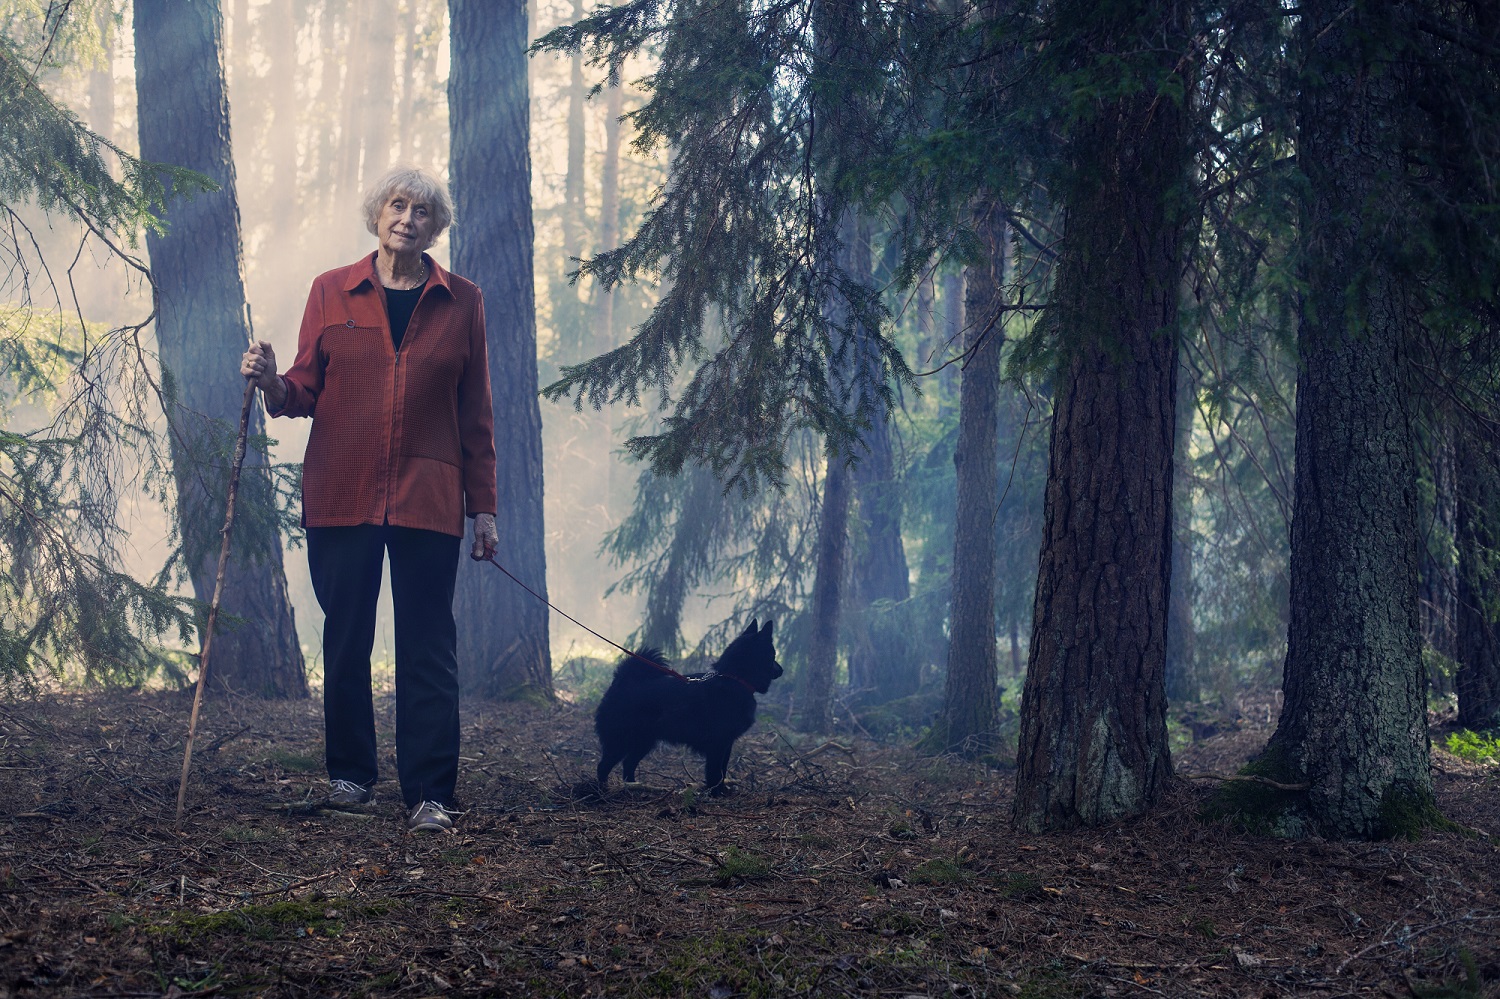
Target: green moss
<point x="246" y="834"/>
<point x="726" y="963"/>
<point x="295" y="762"/>
<point x="939" y="871"/>
<point x="272" y="921"/>
<point x="527" y="693"/>
<point x="739" y="865"/>
<point x="1406" y="814"/>
<point x="1259" y="808"/>
<point x="1018" y="887"/>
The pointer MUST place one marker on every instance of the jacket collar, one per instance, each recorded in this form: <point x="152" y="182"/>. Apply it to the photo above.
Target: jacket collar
<point x="362" y="271"/>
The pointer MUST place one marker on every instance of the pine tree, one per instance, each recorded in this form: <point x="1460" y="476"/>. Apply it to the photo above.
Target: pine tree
<point x="1093" y="715"/>
<point x="77" y="401"/>
<point x="1353" y="725"/>
<point x="970" y="715"/>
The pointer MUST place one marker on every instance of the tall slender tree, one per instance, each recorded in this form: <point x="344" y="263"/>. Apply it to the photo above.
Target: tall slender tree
<point x="503" y="647"/>
<point x="201" y="330"/>
<point x="573" y="208"/>
<point x="609" y="216"/>
<point x="1093" y="743"/>
<point x="970" y="713"/>
<point x="1353" y="724"/>
<point x="826" y="604"/>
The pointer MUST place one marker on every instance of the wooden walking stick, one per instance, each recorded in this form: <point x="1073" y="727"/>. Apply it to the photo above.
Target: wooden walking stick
<point x="213" y="607"/>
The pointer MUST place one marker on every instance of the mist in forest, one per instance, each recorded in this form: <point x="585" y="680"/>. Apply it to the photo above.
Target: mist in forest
<point x="306" y="86"/>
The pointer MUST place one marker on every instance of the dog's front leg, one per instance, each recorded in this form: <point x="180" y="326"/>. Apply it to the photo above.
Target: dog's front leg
<point x="715" y="766"/>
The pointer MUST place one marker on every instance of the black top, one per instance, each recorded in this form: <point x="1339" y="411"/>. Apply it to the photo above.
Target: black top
<point x="399" y="306"/>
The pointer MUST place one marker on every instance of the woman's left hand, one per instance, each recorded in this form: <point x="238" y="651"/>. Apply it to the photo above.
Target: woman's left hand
<point x="486" y="537"/>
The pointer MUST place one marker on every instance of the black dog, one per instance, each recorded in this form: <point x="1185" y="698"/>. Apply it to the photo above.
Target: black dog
<point x="705" y="711"/>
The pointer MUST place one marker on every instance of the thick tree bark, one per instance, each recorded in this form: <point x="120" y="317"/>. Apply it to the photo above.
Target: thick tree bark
<point x="1353" y="723"/>
<point x="970" y="709"/>
<point x="1093" y="745"/>
<point x="201" y="330"/>
<point x="1478" y="535"/>
<point x="503" y="644"/>
<point x="1182" y="677"/>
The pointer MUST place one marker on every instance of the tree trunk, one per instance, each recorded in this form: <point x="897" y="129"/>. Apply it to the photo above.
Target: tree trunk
<point x="878" y="672"/>
<point x="1478" y="640"/>
<point x="698" y="517"/>
<point x="952" y="304"/>
<point x="1182" y="677"/>
<point x="201" y="331"/>
<point x="1093" y="745"/>
<point x="1353" y="723"/>
<point x="970" y="709"/>
<point x="609" y="217"/>
<point x="573" y="196"/>
<point x="816" y="714"/>
<point x="503" y="645"/>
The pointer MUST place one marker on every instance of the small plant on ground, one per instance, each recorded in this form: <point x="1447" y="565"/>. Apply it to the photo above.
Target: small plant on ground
<point x="939" y="871"/>
<point x="1476" y="747"/>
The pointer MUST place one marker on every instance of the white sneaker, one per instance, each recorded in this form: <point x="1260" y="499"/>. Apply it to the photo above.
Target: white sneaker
<point x="344" y="793"/>
<point x="429" y="816"/>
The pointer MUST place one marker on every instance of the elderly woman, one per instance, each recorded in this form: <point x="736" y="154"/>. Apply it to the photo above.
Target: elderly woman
<point x="391" y="365"/>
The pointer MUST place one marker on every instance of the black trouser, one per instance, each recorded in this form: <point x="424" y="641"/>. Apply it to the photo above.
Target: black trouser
<point x="346" y="570"/>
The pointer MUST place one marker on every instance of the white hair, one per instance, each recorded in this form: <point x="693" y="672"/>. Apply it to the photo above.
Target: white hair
<point x="416" y="184"/>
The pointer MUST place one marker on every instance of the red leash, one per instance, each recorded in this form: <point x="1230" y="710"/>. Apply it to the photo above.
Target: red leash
<point x="649" y="662"/>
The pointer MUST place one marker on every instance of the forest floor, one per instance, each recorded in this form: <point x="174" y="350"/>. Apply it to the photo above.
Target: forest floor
<point x="838" y="868"/>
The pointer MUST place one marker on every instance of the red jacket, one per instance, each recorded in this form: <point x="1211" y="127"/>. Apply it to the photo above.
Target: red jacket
<point x="406" y="439"/>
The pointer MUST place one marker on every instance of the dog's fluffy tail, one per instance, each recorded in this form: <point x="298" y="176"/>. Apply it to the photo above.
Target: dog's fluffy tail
<point x="631" y="668"/>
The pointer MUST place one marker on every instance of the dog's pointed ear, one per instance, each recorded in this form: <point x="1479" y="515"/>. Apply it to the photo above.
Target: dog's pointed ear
<point x="765" y="631"/>
<point x="750" y="628"/>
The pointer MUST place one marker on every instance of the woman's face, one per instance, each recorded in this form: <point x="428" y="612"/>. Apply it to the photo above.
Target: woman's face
<point x="405" y="225"/>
